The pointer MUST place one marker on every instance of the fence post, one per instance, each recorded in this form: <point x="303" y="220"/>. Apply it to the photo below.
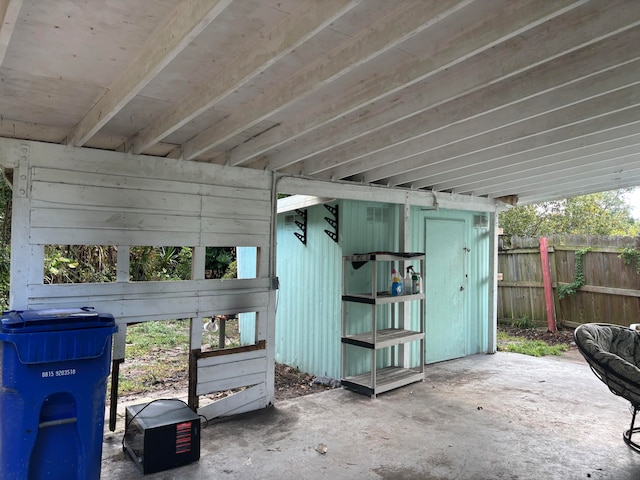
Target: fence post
<point x="548" y="288"/>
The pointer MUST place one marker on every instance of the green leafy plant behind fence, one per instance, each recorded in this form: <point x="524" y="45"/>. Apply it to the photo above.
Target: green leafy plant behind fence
<point x="631" y="257"/>
<point x="578" y="281"/>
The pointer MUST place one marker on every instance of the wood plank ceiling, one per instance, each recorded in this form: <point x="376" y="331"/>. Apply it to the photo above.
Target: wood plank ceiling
<point x="534" y="98"/>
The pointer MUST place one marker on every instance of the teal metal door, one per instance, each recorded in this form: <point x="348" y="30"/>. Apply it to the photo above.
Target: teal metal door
<point x="445" y="286"/>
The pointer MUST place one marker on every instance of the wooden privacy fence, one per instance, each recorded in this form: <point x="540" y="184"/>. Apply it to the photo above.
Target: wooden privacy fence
<point x="611" y="289"/>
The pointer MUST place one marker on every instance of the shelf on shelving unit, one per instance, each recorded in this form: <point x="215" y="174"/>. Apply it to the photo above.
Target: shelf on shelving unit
<point x="388" y="378"/>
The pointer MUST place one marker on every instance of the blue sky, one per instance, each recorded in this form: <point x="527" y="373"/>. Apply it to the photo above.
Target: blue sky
<point x="634" y="200"/>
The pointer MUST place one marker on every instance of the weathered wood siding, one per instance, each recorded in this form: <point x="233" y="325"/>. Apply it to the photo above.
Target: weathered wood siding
<point x="78" y="196"/>
<point x="611" y="292"/>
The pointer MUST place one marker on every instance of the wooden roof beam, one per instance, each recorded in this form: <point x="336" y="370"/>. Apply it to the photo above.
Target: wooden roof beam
<point x="530" y="93"/>
<point x="9" y="10"/>
<point x="475" y="179"/>
<point x="308" y="19"/>
<point x="546" y="191"/>
<point x="183" y="24"/>
<point x="489" y="71"/>
<point x="594" y="166"/>
<point x="591" y="32"/>
<point x="624" y="121"/>
<point x="572" y="103"/>
<point x="374" y="193"/>
<point x="514" y="20"/>
<point x="621" y="132"/>
<point x="557" y="126"/>
<point x="405" y="21"/>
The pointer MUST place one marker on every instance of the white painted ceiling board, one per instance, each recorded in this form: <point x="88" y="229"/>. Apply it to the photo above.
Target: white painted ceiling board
<point x="62" y="38"/>
<point x="44" y="100"/>
<point x="135" y="115"/>
<point x="474" y="98"/>
<point x="192" y="128"/>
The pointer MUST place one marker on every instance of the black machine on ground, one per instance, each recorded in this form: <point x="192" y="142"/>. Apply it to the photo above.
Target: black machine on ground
<point x="162" y="434"/>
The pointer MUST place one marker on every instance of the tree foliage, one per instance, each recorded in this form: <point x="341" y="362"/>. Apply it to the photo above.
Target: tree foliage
<point x="604" y="213"/>
<point x="97" y="264"/>
<point x="5" y="241"/>
<point x="160" y="263"/>
<point x="79" y="264"/>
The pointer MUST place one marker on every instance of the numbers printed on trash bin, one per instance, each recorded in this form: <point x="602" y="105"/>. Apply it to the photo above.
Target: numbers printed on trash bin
<point x="59" y="373"/>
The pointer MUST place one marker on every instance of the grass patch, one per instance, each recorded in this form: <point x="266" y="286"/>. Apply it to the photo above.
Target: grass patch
<point x="145" y="338"/>
<point x="156" y="353"/>
<point x="535" y="348"/>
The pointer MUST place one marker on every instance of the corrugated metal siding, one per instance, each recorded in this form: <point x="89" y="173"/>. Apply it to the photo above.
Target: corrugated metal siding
<point x="308" y="305"/>
<point x="479" y="288"/>
<point x="368" y="227"/>
<point x="308" y="318"/>
<point x="309" y="311"/>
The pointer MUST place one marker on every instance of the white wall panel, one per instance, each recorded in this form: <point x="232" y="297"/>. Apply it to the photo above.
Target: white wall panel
<point x="112" y="220"/>
<point x="252" y="398"/>
<point x="96" y="236"/>
<point x="232" y="207"/>
<point x="226" y="372"/>
<point x="80" y="196"/>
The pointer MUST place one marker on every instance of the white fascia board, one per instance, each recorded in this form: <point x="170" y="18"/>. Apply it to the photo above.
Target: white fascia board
<point x="298" y="202"/>
<point x="375" y="193"/>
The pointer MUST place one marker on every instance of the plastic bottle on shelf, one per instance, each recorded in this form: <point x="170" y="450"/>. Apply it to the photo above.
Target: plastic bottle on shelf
<point x="416" y="283"/>
<point x="408" y="281"/>
<point x="396" y="283"/>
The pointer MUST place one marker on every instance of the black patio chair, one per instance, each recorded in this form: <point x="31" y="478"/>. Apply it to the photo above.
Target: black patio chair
<point x="613" y="353"/>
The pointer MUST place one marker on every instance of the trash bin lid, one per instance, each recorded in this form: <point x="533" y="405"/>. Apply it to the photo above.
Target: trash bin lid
<point x="28" y="321"/>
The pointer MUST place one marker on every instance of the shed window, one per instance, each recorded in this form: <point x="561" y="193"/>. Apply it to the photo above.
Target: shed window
<point x="378" y="214"/>
<point x="480" y="221"/>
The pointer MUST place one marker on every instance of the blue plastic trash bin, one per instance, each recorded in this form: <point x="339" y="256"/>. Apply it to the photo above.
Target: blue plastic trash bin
<point x="53" y="376"/>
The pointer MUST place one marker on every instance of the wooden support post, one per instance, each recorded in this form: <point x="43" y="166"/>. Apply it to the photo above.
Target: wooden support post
<point x="222" y="332"/>
<point x="546" y="280"/>
<point x="193" y="400"/>
<point x="113" y="400"/>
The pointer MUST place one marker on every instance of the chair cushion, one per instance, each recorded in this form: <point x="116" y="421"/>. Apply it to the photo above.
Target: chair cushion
<point x="613" y="347"/>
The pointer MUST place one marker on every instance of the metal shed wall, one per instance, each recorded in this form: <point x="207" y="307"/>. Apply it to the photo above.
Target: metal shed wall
<point x="308" y="317"/>
<point x="308" y="301"/>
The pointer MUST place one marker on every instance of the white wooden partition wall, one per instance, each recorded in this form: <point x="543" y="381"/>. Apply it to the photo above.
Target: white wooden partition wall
<point x="79" y="196"/>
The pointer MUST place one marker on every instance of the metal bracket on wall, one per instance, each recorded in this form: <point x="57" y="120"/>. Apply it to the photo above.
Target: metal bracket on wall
<point x="302" y="226"/>
<point x="333" y="222"/>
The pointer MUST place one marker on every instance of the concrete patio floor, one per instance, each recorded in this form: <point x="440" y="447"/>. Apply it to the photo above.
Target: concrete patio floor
<point x="502" y="416"/>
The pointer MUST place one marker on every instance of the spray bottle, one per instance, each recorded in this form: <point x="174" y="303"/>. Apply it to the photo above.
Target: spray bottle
<point x="408" y="281"/>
